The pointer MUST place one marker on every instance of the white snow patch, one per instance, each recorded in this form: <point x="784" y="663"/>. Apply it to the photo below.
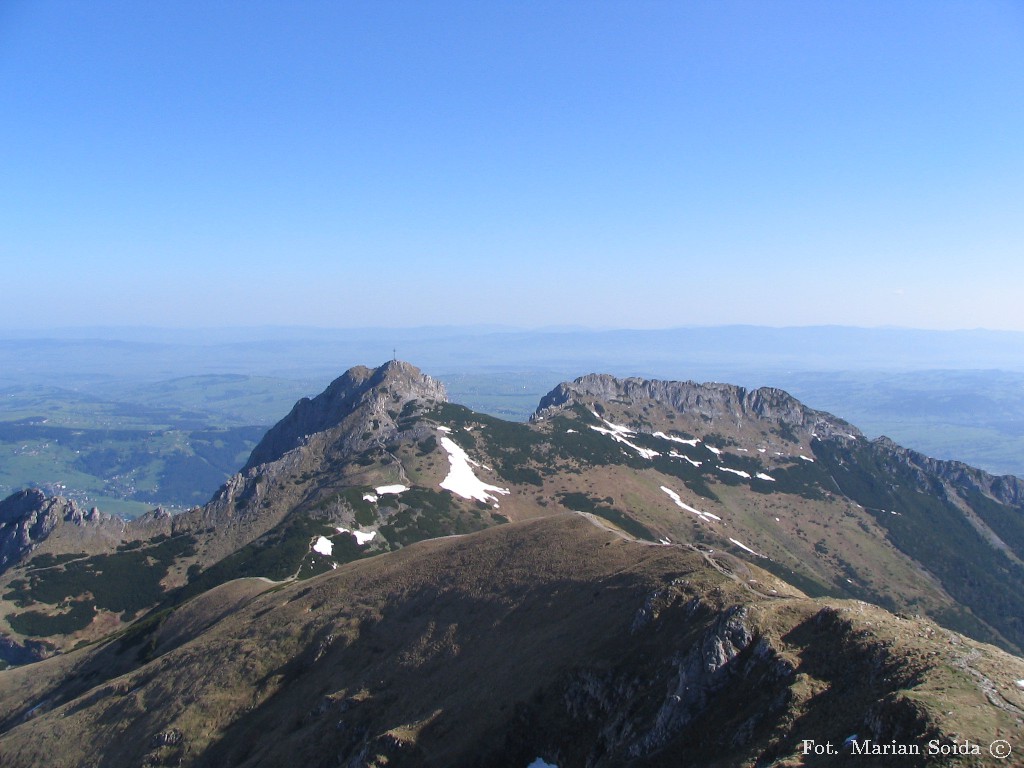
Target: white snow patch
<point x="461" y="480"/>
<point x="445" y="429"/>
<point x="714" y="450"/>
<point x="570" y="431"/>
<point x="361" y="536"/>
<point x="369" y="497"/>
<point x="1019" y="683"/>
<point x="615" y="427"/>
<point x="664" y="541"/>
<point x="806" y="458"/>
<point x="741" y="545"/>
<point x="742" y="450"/>
<point x="324" y="546"/>
<point x="397" y="488"/>
<point x="616" y="432"/>
<point x="676" y="455"/>
<point x="682" y="505"/>
<point x="763" y="476"/>
<point x="761" y="450"/>
<point x="739" y="472"/>
<point x="334" y="566"/>
<point x="692" y="443"/>
<point x="777" y="520"/>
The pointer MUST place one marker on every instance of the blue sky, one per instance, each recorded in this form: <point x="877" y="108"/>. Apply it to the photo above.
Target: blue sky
<point x="605" y="164"/>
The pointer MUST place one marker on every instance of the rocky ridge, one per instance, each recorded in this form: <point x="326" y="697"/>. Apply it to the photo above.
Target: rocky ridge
<point x="712" y="402"/>
<point x="29" y="517"/>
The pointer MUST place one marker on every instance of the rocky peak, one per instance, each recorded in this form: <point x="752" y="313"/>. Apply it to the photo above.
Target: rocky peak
<point x="27" y="518"/>
<point x="711" y="400"/>
<point x="373" y="391"/>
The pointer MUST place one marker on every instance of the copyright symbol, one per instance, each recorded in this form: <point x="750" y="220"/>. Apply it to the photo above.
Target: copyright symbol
<point x="1000" y="749"/>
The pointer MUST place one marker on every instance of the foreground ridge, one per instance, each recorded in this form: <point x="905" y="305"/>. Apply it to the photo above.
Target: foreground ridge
<point x="550" y="637"/>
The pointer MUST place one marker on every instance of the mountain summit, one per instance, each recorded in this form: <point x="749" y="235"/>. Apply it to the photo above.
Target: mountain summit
<point x="371" y="397"/>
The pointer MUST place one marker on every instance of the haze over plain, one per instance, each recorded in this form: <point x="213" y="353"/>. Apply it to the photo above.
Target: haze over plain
<point x="606" y="165"/>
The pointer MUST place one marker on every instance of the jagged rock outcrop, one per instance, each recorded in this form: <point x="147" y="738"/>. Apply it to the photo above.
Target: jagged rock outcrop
<point x="711" y="400"/>
<point x="28" y="518"/>
<point x="1005" y="489"/>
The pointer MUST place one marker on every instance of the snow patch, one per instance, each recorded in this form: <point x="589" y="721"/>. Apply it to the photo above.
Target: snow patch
<point x="763" y="476"/>
<point x="397" y="488"/>
<point x="461" y="480"/>
<point x="675" y="455"/>
<point x="324" y="546"/>
<point x="570" y="431"/>
<point x="370" y="497"/>
<point x="1019" y="683"/>
<point x="361" y="536"/>
<point x="616" y="432"/>
<point x="806" y="459"/>
<point x="692" y="443"/>
<point x="741" y="545"/>
<point x="739" y="472"/>
<point x="445" y="429"/>
<point x="682" y="505"/>
<point x="761" y="450"/>
<point x="716" y="451"/>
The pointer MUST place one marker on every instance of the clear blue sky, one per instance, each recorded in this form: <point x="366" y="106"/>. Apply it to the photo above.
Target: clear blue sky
<point x="629" y="164"/>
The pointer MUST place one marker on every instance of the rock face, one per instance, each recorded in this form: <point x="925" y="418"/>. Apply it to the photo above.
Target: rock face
<point x="384" y="389"/>
<point x="710" y="401"/>
<point x="1005" y="489"/>
<point x="28" y="517"/>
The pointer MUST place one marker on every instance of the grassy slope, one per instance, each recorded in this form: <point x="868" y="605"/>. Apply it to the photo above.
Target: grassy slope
<point x="500" y="647"/>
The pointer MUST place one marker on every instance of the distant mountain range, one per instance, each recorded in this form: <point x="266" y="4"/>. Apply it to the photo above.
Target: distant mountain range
<point x="647" y="573"/>
<point x="717" y="352"/>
